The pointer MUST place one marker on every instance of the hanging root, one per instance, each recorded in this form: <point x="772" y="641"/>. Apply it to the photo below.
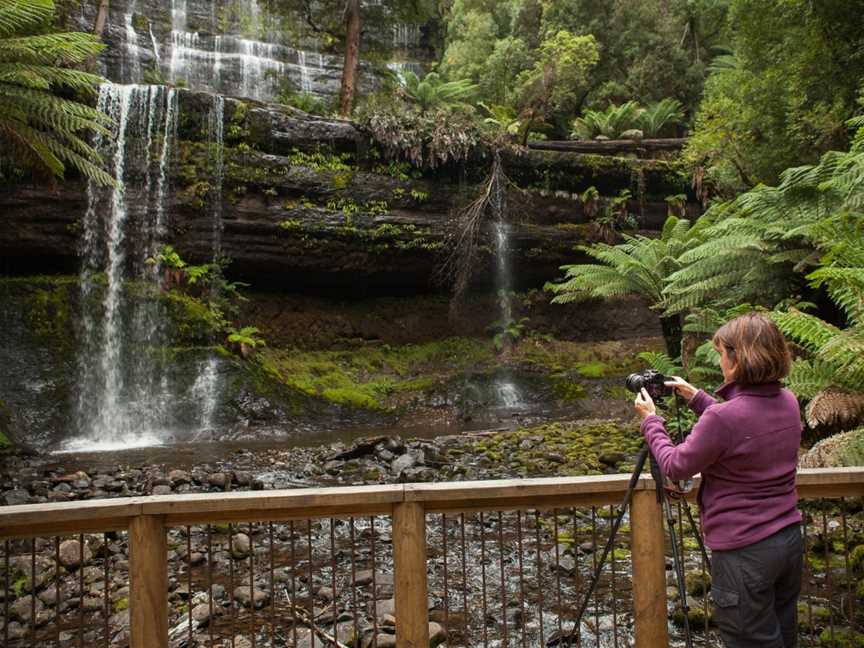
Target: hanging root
<point x="468" y="232"/>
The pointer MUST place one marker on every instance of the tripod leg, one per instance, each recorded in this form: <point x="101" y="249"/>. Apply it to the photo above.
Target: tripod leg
<point x="679" y="566"/>
<point x="573" y="634"/>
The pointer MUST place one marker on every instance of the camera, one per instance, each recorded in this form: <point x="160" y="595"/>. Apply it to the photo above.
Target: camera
<point x="652" y="381"/>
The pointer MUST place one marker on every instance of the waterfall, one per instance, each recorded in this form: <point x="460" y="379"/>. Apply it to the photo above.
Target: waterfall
<point x="206" y="389"/>
<point x="124" y="398"/>
<point x="132" y="48"/>
<point x="508" y="393"/>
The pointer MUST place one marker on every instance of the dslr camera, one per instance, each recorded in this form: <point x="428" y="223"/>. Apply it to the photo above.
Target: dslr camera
<point x="652" y="381"/>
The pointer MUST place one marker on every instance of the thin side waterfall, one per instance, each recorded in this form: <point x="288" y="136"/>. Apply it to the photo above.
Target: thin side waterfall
<point x="507" y="392"/>
<point x="132" y="75"/>
<point x="207" y="387"/>
<point x="124" y="400"/>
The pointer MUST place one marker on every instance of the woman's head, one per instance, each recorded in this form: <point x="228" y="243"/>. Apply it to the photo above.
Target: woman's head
<point x="752" y="350"/>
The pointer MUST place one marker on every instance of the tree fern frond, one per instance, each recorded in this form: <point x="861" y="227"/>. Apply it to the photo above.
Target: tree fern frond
<point x="70" y="48"/>
<point x="808" y="377"/>
<point x="22" y="16"/>
<point x="661" y="362"/>
<point x="807" y="330"/>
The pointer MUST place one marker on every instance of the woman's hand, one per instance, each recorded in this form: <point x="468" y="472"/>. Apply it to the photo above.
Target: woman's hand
<point x="681" y="386"/>
<point x="644" y="405"/>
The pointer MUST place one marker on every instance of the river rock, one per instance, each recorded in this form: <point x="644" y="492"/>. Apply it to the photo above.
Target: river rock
<point x="240" y="641"/>
<point x="219" y="480"/>
<point x="611" y="459"/>
<point x="325" y="593"/>
<point x="243" y="596"/>
<point x="242" y="478"/>
<point x="178" y="477"/>
<point x="201" y="614"/>
<point x="16" y="497"/>
<point x="384" y="607"/>
<point x="22" y="608"/>
<point x="240" y="545"/>
<point x="402" y="463"/>
<point x="196" y="558"/>
<point x="71" y="553"/>
<point x="15" y="630"/>
<point x="161" y="489"/>
<point x="437" y="634"/>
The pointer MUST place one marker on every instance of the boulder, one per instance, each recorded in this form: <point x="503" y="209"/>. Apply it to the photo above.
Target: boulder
<point x="71" y="554"/>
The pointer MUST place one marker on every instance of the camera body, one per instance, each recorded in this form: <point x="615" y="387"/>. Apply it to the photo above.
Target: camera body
<point x="650" y="380"/>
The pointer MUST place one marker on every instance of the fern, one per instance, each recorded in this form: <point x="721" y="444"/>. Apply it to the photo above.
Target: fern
<point x="661" y="362"/>
<point x="40" y="130"/>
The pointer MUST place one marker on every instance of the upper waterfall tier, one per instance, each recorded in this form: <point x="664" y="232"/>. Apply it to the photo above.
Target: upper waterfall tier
<point x="230" y="47"/>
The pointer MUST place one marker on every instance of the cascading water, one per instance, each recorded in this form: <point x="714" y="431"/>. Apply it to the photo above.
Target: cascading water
<point x="507" y="392"/>
<point x="123" y="399"/>
<point x="206" y="389"/>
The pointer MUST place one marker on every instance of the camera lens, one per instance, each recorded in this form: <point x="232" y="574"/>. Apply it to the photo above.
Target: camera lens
<point x="635" y="382"/>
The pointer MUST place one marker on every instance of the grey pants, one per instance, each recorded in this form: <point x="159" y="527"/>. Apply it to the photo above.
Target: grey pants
<point x="755" y="591"/>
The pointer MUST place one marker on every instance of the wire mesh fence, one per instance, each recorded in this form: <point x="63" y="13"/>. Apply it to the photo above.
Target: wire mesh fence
<point x="512" y="577"/>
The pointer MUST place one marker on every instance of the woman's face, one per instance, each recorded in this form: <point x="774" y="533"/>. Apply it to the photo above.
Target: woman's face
<point x="727" y="365"/>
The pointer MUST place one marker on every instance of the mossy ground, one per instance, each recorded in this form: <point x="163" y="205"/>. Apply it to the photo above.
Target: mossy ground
<point x="371" y="377"/>
<point x="561" y="448"/>
<point x="382" y="376"/>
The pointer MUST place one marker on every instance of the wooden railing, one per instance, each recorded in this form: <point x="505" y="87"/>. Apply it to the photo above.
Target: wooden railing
<point x="147" y="518"/>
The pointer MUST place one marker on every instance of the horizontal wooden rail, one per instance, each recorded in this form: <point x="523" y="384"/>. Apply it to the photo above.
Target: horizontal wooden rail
<point x="31" y="520"/>
<point x="148" y="518"/>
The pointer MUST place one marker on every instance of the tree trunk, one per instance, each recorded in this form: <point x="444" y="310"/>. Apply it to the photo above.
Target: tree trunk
<point x="352" y="56"/>
<point x="671" y="327"/>
<point x="101" y="18"/>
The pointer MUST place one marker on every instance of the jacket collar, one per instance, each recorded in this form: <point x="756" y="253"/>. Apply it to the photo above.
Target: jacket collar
<point x="730" y="390"/>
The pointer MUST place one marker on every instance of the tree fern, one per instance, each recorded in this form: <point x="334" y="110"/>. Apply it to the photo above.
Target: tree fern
<point x="637" y="266"/>
<point x="761" y="239"/>
<point x="659" y="115"/>
<point x="40" y="130"/>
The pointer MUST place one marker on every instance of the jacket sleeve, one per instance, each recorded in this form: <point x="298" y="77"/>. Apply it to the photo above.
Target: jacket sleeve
<point x="700" y="402"/>
<point x="704" y="445"/>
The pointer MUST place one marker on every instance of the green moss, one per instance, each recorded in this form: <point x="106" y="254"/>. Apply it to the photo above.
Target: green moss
<point x="365" y="377"/>
<point x="856" y="560"/>
<point x="121" y="604"/>
<point x="569" y="391"/>
<point x="841" y="638"/>
<point x="595" y="369"/>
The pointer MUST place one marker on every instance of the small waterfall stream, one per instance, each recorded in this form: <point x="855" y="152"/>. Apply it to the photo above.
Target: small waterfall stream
<point x="507" y="391"/>
<point x="206" y="389"/>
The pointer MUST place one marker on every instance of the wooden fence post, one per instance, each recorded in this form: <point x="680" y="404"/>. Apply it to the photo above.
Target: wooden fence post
<point x="148" y="582"/>
<point x="409" y="557"/>
<point x="649" y="570"/>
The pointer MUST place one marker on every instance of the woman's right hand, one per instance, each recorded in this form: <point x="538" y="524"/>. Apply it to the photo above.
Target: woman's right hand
<point x="681" y="386"/>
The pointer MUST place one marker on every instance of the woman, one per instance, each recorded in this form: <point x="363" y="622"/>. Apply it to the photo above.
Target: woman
<point x="747" y="451"/>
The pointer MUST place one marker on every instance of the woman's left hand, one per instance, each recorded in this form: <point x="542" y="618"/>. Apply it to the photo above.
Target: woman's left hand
<point x="644" y="405"/>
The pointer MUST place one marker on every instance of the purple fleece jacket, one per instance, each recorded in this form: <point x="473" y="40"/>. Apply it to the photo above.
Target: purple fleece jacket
<point x="747" y="451"/>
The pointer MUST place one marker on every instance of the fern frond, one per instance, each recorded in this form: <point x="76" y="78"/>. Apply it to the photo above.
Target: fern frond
<point x="22" y="16"/>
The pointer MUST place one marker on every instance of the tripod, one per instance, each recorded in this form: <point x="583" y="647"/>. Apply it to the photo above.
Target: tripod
<point x="644" y="453"/>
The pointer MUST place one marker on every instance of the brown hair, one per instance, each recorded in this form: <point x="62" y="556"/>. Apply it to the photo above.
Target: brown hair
<point x="757" y="347"/>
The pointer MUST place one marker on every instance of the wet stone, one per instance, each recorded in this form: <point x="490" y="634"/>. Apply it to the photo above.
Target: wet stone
<point x="16" y="497"/>
<point x="70" y="553"/>
<point x="24" y="606"/>
<point x="178" y="477"/>
<point x="219" y="480"/>
<point x="243" y="596"/>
